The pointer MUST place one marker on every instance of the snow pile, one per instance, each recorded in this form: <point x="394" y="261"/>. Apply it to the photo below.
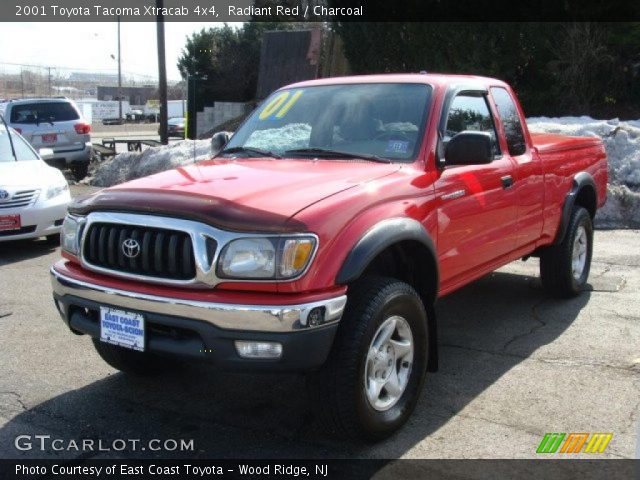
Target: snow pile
<point x="131" y="165"/>
<point x="622" y="143"/>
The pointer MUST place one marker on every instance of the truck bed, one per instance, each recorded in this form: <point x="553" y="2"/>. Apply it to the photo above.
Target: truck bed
<point x="551" y="142"/>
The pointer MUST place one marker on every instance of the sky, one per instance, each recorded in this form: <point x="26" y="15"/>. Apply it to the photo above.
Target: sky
<point x="88" y="46"/>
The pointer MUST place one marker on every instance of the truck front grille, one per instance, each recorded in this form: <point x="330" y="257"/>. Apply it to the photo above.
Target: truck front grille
<point x="140" y="250"/>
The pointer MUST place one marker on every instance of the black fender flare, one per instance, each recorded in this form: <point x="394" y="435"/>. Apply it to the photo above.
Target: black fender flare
<point x="580" y="181"/>
<point x="377" y="239"/>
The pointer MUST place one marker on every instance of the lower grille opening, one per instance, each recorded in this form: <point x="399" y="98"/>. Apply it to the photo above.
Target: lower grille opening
<point x="174" y="333"/>
<point x="153" y="330"/>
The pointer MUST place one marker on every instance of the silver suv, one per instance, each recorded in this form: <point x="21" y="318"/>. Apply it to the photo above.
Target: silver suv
<point x="56" y="124"/>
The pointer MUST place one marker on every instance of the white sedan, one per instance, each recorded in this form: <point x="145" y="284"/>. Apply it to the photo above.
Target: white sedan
<point x="33" y="196"/>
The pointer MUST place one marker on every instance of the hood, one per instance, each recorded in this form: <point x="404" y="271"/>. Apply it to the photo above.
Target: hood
<point x="241" y="194"/>
<point x="30" y="174"/>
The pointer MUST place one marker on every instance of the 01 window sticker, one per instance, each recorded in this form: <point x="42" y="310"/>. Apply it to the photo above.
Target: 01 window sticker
<point x="279" y="106"/>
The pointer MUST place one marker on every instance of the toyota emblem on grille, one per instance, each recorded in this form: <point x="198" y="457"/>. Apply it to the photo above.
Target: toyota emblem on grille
<point x="131" y="248"/>
<point x="4" y="194"/>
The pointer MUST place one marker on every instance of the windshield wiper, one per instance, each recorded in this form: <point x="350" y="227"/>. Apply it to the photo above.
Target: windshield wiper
<point x="336" y="153"/>
<point x="259" y="151"/>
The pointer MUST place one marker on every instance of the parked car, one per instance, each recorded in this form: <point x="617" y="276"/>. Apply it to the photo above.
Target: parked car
<point x="112" y="121"/>
<point x="135" y="116"/>
<point x="56" y="124"/>
<point x="175" y="127"/>
<point x="33" y="196"/>
<point x="320" y="237"/>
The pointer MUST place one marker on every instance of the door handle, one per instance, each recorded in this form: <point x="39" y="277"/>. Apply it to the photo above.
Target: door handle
<point x="454" y="194"/>
<point x="507" y="181"/>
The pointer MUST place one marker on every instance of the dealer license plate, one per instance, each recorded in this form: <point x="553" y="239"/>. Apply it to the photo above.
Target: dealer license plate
<point x="125" y="329"/>
<point x="10" y="222"/>
<point x="49" y="138"/>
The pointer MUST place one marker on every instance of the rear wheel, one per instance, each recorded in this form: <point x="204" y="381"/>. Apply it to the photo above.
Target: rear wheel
<point x="564" y="268"/>
<point x="372" y="380"/>
<point x="131" y="361"/>
<point x="80" y="170"/>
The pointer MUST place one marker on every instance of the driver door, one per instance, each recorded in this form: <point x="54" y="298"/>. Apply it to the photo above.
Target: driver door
<point x="475" y="203"/>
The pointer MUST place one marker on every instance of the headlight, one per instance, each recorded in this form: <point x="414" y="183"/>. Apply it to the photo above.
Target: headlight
<point x="265" y="258"/>
<point x="70" y="234"/>
<point x="56" y="190"/>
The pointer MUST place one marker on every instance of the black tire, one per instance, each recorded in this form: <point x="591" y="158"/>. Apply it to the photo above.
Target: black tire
<point x="53" y="239"/>
<point x="338" y="388"/>
<point x="131" y="361"/>
<point x="556" y="271"/>
<point x="80" y="170"/>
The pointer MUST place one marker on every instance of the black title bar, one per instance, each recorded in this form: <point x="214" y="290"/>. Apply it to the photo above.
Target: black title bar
<point x="131" y="469"/>
<point x="318" y="11"/>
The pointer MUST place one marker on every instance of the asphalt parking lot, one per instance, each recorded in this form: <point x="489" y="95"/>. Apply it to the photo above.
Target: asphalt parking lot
<point x="514" y="365"/>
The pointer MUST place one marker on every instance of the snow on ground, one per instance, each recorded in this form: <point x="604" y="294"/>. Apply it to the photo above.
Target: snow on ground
<point x="622" y="143"/>
<point x="621" y="139"/>
<point x="131" y="165"/>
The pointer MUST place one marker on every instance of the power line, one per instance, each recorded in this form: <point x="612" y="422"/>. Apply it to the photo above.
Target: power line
<point x="79" y="69"/>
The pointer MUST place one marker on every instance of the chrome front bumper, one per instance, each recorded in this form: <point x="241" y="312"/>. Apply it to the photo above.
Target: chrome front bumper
<point x="262" y="318"/>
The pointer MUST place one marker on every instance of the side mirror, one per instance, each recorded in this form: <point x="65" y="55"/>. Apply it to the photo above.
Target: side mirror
<point x="469" y="148"/>
<point x="45" y="152"/>
<point x="218" y="141"/>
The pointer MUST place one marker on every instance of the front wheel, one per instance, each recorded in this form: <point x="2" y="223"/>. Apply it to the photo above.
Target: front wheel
<point x="372" y="380"/>
<point x="53" y="239"/>
<point x="80" y="170"/>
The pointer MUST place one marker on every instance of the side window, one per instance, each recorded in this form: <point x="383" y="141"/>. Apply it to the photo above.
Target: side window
<point x="510" y="119"/>
<point x="470" y="112"/>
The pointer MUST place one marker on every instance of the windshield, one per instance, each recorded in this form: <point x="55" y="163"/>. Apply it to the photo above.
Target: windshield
<point x="377" y="120"/>
<point x="23" y="150"/>
<point x="43" y="112"/>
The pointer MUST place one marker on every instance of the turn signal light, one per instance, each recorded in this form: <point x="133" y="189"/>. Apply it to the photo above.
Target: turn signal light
<point x="316" y="317"/>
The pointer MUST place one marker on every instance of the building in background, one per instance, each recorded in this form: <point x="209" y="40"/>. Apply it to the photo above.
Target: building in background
<point x="133" y="95"/>
<point x="289" y="56"/>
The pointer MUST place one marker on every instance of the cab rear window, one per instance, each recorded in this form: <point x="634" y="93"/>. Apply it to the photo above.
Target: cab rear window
<point x="510" y="120"/>
<point x="43" y="112"/>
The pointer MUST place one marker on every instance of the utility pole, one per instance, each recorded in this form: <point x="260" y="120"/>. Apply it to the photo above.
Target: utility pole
<point x="119" y="75"/>
<point x="162" y="75"/>
<point x="49" y="70"/>
<point x="22" y="81"/>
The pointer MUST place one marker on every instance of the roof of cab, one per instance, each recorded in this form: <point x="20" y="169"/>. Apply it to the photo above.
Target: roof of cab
<point x="435" y="79"/>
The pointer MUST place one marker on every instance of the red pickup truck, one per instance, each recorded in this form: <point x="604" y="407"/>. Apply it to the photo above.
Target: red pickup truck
<point x="321" y="235"/>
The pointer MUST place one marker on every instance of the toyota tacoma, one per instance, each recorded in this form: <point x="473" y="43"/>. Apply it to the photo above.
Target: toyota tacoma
<point x="320" y="236"/>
